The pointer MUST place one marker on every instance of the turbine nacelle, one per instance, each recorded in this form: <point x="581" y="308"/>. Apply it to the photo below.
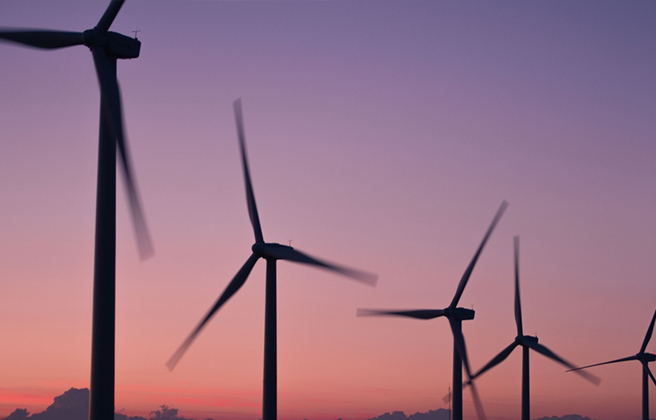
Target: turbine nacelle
<point x="115" y="44"/>
<point x="522" y="339"/>
<point x="461" y="314"/>
<point x="270" y="250"/>
<point x="647" y="357"/>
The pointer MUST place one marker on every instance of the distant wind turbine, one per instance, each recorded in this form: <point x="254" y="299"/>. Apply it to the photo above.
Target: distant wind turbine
<point x="455" y="316"/>
<point x="644" y="359"/>
<point x="106" y="47"/>
<point x="271" y="252"/>
<point x="527" y="342"/>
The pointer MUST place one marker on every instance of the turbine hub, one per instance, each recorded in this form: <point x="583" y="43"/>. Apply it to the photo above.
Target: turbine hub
<point x="258" y="248"/>
<point x="91" y="38"/>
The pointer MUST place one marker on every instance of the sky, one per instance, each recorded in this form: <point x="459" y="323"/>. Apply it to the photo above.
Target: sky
<point x="382" y="135"/>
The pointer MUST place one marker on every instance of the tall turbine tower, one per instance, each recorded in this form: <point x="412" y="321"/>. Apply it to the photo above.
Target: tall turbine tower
<point x="455" y="316"/>
<point x="644" y="358"/>
<point x="106" y="47"/>
<point x="271" y="252"/>
<point x="526" y="342"/>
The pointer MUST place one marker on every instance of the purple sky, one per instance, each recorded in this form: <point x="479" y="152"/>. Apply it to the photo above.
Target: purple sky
<point x="381" y="135"/>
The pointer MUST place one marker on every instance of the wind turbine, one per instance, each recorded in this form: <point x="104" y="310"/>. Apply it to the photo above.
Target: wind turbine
<point x="271" y="252"/>
<point x="527" y="342"/>
<point x="106" y="47"/>
<point x="644" y="359"/>
<point x="455" y="316"/>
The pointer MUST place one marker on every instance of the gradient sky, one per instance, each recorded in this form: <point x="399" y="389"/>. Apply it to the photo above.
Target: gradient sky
<point x="381" y="135"/>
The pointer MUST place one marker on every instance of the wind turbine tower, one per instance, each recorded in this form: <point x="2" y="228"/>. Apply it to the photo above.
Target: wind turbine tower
<point x="455" y="316"/>
<point x="644" y="358"/>
<point x="106" y="47"/>
<point x="271" y="252"/>
<point x="526" y="342"/>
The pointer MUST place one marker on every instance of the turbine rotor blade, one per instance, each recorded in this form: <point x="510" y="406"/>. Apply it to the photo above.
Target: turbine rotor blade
<point x="42" y="38"/>
<point x="650" y="330"/>
<point x="496" y="360"/>
<point x="470" y="268"/>
<point x="250" y="197"/>
<point x="553" y="356"/>
<point x="459" y="340"/>
<point x="108" y="17"/>
<point x="290" y="254"/>
<point x="416" y="314"/>
<point x="477" y="402"/>
<point x="446" y="398"/>
<point x="646" y="368"/>
<point x="518" y="303"/>
<point x="624" y="359"/>
<point x="111" y="106"/>
<point x="232" y="288"/>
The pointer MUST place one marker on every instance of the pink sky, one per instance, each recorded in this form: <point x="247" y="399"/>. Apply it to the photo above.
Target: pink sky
<point x="381" y="135"/>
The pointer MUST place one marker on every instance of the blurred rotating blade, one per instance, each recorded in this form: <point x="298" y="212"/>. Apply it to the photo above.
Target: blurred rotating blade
<point x="470" y="268"/>
<point x="477" y="401"/>
<point x="650" y="330"/>
<point x="417" y="314"/>
<point x="646" y="368"/>
<point x="459" y="340"/>
<point x="446" y="398"/>
<point x="496" y="360"/>
<point x="290" y="254"/>
<point x="250" y="197"/>
<point x="518" y="303"/>
<point x="232" y="288"/>
<point x="553" y="356"/>
<point x="108" y="17"/>
<point x="111" y="106"/>
<point x="42" y="38"/>
<point x="624" y="359"/>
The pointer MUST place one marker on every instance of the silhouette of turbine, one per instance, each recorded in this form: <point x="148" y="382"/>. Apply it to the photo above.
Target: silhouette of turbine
<point x="106" y="47"/>
<point x="455" y="316"/>
<point x="271" y="252"/>
<point x="527" y="342"/>
<point x="644" y="359"/>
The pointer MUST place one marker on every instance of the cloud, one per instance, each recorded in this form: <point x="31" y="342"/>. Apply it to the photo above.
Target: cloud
<point x="74" y="405"/>
<point x="18" y="414"/>
<point x="71" y="405"/>
<point x="439" y="414"/>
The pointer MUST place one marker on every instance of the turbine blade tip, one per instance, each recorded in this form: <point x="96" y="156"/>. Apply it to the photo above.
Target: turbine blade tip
<point x="146" y="251"/>
<point x="366" y="312"/>
<point x="170" y="365"/>
<point x="370" y="279"/>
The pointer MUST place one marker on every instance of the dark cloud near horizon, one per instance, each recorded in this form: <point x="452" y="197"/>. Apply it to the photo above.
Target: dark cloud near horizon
<point x="566" y="417"/>
<point x="439" y="414"/>
<point x="71" y="405"/>
<point x="74" y="405"/>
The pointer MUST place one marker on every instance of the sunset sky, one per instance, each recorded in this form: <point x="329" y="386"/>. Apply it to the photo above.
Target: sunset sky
<point x="382" y="135"/>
